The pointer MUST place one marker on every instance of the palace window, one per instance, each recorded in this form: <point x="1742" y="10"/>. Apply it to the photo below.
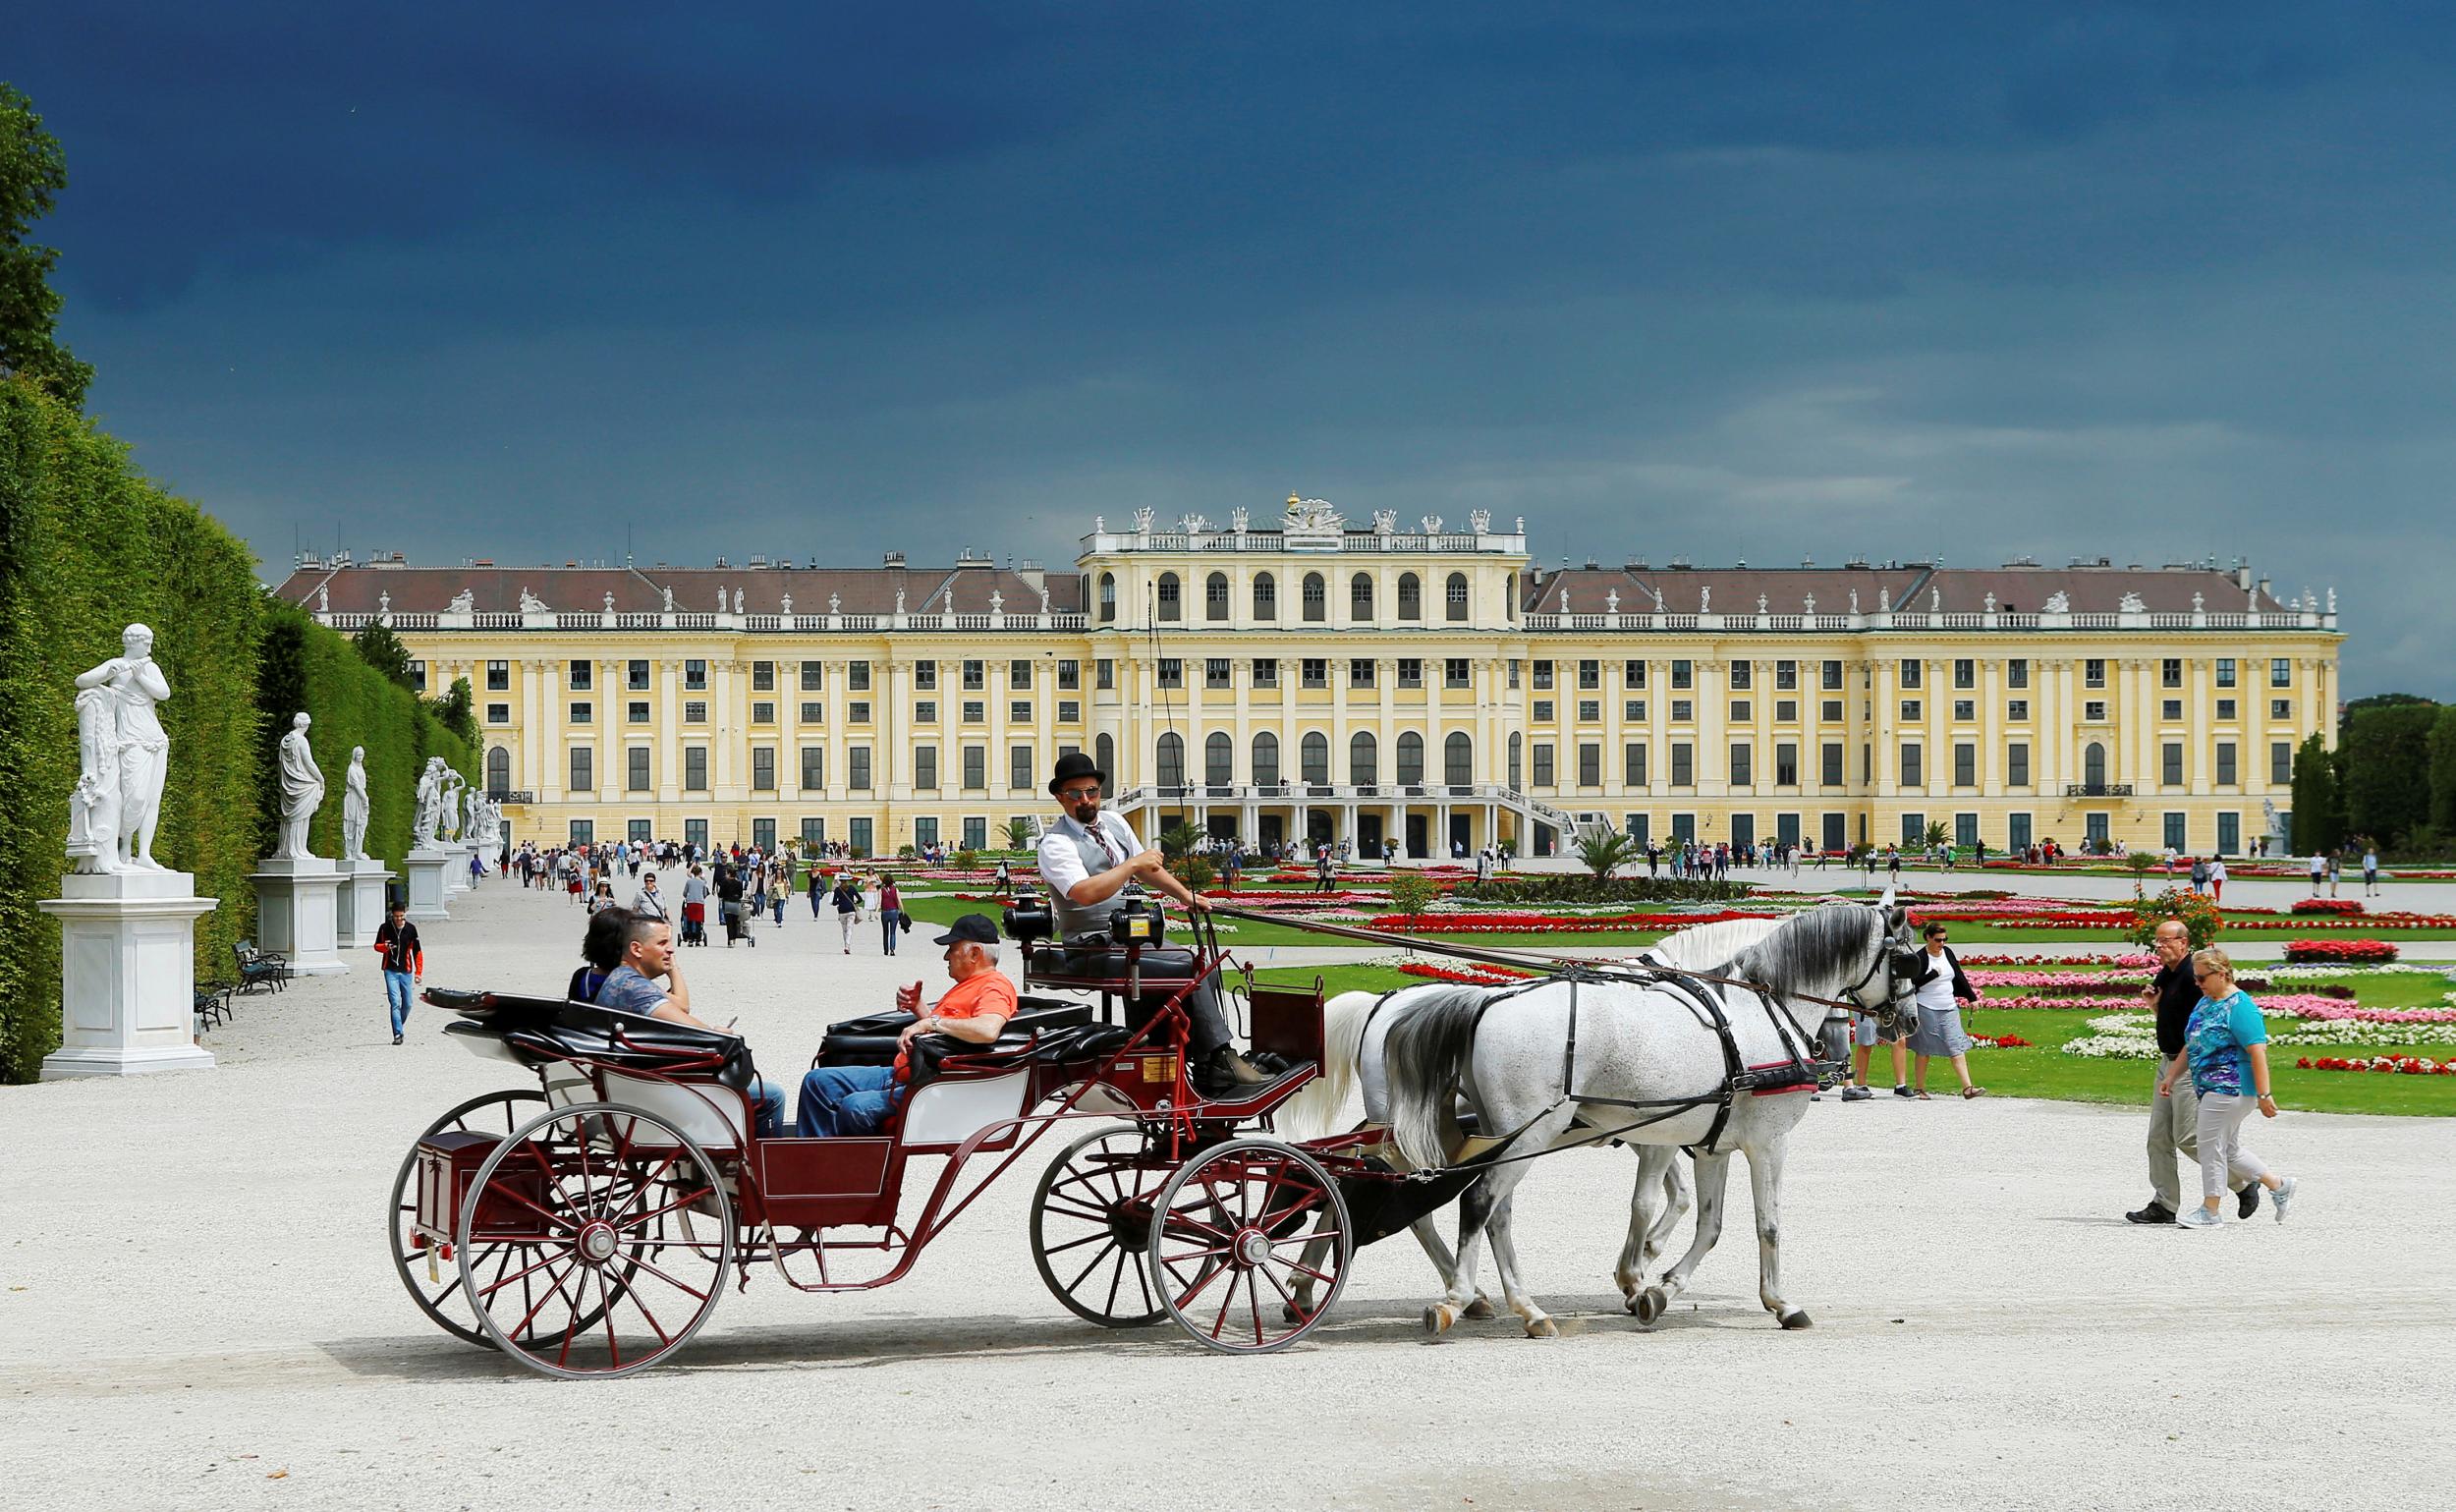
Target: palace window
<point x="637" y="676"/>
<point x="695" y="674"/>
<point x="2170" y="672"/>
<point x="2094" y="672"/>
<point x="584" y="712"/>
<point x="2225" y="671"/>
<point x="1266" y="596"/>
<point x="1829" y="710"/>
<point x="2017" y="709"/>
<point x="1105" y="674"/>
<point x="1910" y="709"/>
<point x="1910" y="672"/>
<point x="763" y="768"/>
<point x="975" y="676"/>
<point x="1683" y="673"/>
<point x="2017" y="672"/>
<point x="1265" y="671"/>
<point x="636" y="711"/>
<point x="1786" y="710"/>
<point x="2280" y="709"/>
<point x="1410" y="672"/>
<point x="498" y="677"/>
<point x="1683" y="764"/>
<point x="1361" y="598"/>
<point x="1456" y="672"/>
<point x="2171" y="708"/>
<point x="1410" y="765"/>
<point x="1740" y="757"/>
<point x="1589" y="674"/>
<point x="1829" y="764"/>
<point x="1633" y="709"/>
<point x="1360" y="672"/>
<point x="976" y="768"/>
<point x="1965" y="672"/>
<point x="1589" y="710"/>
<point x="1108" y="598"/>
<point x="1068" y="675"/>
<point x="1830" y="676"/>
<point x="1215" y="597"/>
<point x="1454" y="595"/>
<point x="926" y="712"/>
<point x="1543" y="710"/>
<point x="925" y="676"/>
<point x="762" y="677"/>
<point x="1314" y="757"/>
<point x="581" y="672"/>
<point x="856" y="676"/>
<point x="1317" y="595"/>
<point x="694" y="768"/>
<point x="2280" y="673"/>
<point x="1266" y="759"/>
<point x="1682" y="710"/>
<point x="1741" y="674"/>
<point x="1786" y="764"/>
<point x="1172" y="672"/>
<point x="857" y="768"/>
<point x="1069" y="711"/>
<point x="814" y="769"/>
<point x="1542" y="676"/>
<point x="813" y="676"/>
<point x="857" y="712"/>
<point x="1019" y="711"/>
<point x="1315" y="671"/>
<point x="1172" y="605"/>
<point x="2227" y="777"/>
<point x="2017" y="763"/>
<point x="636" y="769"/>
<point x="975" y="711"/>
<point x="1410" y="597"/>
<point x="1590" y="765"/>
<point x="1786" y="676"/>
<point x="1458" y="759"/>
<point x="1632" y="674"/>
<point x="1912" y="775"/>
<point x="1543" y="778"/>
<point x="1740" y="711"/>
<point x="1018" y="768"/>
<point x="1965" y="708"/>
<point x="2170" y="764"/>
<point x="2280" y="762"/>
<point x="1965" y="765"/>
<point x="695" y="711"/>
<point x="1633" y="764"/>
<point x="1215" y="672"/>
<point x="926" y="768"/>
<point x="583" y="769"/>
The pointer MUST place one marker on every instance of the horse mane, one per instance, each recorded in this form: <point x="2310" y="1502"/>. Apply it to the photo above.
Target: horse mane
<point x="1708" y="947"/>
<point x="1804" y="952"/>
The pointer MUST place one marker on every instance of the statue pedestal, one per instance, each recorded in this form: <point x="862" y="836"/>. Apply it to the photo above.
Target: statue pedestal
<point x="127" y="974"/>
<point x="297" y="913"/>
<point x="362" y="899"/>
<point x="458" y="877"/>
<point x="431" y="883"/>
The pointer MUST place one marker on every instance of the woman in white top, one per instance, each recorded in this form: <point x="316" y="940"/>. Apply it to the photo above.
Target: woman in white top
<point x="1942" y="989"/>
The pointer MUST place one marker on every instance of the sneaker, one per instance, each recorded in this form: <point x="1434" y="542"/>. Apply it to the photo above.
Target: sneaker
<point x="1900" y="1090"/>
<point x="2247" y="1200"/>
<point x="396" y="1039"/>
<point x="2285" y="1194"/>
<point x="2198" y="1217"/>
<point x="1858" y="1093"/>
<point x="2155" y="1212"/>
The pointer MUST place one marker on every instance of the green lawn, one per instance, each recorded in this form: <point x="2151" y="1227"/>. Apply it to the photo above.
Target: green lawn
<point x="2045" y="1071"/>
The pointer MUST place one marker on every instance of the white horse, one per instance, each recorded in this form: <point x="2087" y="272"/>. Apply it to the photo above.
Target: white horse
<point x="1323" y="1105"/>
<point x="1649" y="1069"/>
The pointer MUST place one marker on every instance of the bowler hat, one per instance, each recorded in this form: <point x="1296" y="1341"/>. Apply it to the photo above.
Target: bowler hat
<point x="974" y="928"/>
<point x="1073" y="765"/>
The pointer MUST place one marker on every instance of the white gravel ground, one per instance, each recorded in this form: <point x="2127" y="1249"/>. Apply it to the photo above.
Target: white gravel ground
<point x="196" y="1310"/>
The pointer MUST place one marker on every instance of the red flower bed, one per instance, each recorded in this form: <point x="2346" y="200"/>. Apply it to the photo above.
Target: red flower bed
<point x="2328" y="905"/>
<point x="2395" y="1065"/>
<point x="2001" y="1041"/>
<point x="2366" y="952"/>
<point x="1546" y="924"/>
<point x="1480" y="976"/>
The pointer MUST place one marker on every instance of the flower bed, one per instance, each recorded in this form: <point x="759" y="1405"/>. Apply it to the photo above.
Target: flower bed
<point x="2394" y="1065"/>
<point x="2132" y="958"/>
<point x="2360" y="951"/>
<point x="2341" y="906"/>
<point x="2339" y="1010"/>
<point x="1548" y="924"/>
<point x="2001" y="1041"/>
<point x="1477" y="976"/>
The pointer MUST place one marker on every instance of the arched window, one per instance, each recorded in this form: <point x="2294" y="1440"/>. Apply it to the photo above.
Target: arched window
<point x="1361" y="598"/>
<point x="1172" y="599"/>
<point x="1104" y="757"/>
<point x="1316" y="600"/>
<point x="1410" y="597"/>
<point x="499" y="769"/>
<point x="2094" y="764"/>
<point x="1410" y="758"/>
<point x="1108" y="598"/>
<point x="1172" y="765"/>
<point x="1455" y="595"/>
<point x="1266" y="759"/>
<point x="1517" y="766"/>
<point x="1313" y="757"/>
<point x="1362" y="759"/>
<point x="1215" y="597"/>
<point x="1458" y="759"/>
<point x="1219" y="760"/>
<point x="1266" y="596"/>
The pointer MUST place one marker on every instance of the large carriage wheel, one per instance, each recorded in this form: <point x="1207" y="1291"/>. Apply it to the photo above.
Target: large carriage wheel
<point x="1091" y="1227"/>
<point x="439" y="1295"/>
<point x="629" y="1235"/>
<point x="1231" y="1237"/>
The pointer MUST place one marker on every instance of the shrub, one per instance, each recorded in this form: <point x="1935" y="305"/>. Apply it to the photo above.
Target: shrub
<point x="1412" y="892"/>
<point x="2199" y="917"/>
<point x="966" y="860"/>
<point x="2334" y="906"/>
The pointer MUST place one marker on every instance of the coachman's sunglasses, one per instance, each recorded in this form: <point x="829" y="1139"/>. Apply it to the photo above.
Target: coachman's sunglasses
<point x="1078" y="793"/>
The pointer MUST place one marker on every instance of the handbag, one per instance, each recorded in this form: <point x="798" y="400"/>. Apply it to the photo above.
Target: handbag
<point x="904" y="922"/>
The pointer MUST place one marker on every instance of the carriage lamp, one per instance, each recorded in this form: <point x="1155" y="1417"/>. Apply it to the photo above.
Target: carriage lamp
<point x="1137" y="920"/>
<point x="1029" y="919"/>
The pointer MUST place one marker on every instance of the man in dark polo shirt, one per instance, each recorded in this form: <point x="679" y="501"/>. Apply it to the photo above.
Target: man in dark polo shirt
<point x="2174" y="1115"/>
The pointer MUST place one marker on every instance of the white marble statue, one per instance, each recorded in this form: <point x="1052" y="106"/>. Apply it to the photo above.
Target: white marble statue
<point x="383" y="608"/>
<point x="1142" y="520"/>
<point x="429" y="805"/>
<point x="1044" y="601"/>
<point x="449" y="828"/>
<point x="737" y="600"/>
<point x="2059" y="602"/>
<point x="1935" y="601"/>
<point x="301" y="790"/>
<point x="1706" y="599"/>
<point x="788" y="607"/>
<point x="835" y="602"/>
<point x="1238" y="519"/>
<point x="463" y="602"/>
<point x="899" y="600"/>
<point x="530" y="604"/>
<point x="1431" y="525"/>
<point x="473" y="805"/>
<point x="354" y="807"/>
<point x="1480" y="521"/>
<point x="609" y="603"/>
<point x="2130" y="603"/>
<point x="126" y="753"/>
<point x="667" y="594"/>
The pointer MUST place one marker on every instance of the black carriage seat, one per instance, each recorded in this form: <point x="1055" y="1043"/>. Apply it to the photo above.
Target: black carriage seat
<point x="873" y="1039"/>
<point x="1090" y="963"/>
<point x="538" y="1031"/>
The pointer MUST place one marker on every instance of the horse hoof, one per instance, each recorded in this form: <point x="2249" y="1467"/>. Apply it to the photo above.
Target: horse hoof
<point x="1478" y="1310"/>
<point x="1543" y="1328"/>
<point x="1650" y="1304"/>
<point x="1795" y="1318"/>
<point x="1290" y="1312"/>
<point x="1438" y="1318"/>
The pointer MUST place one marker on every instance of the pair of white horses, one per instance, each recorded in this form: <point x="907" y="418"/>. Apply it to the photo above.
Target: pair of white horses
<point x="1642" y="1050"/>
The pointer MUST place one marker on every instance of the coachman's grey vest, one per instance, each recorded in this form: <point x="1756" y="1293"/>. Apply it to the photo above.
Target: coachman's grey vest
<point x="1074" y="918"/>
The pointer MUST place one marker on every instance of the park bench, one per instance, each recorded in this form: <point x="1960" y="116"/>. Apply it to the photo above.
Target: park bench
<point x="260" y="968"/>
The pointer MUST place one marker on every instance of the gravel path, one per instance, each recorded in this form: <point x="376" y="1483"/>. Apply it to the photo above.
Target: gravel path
<point x="196" y="1310"/>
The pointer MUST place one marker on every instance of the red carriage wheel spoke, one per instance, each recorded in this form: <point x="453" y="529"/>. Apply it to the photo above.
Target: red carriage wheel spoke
<point x="1266" y="1194"/>
<point x="1077" y="1244"/>
<point x="1081" y="1275"/>
<point x="647" y="1182"/>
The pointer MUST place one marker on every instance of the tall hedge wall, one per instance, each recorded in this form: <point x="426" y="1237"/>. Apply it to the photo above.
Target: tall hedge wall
<point x="88" y="545"/>
<point x="305" y="666"/>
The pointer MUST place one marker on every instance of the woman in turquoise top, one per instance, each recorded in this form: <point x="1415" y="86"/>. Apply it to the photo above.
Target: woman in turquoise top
<point x="2226" y="1052"/>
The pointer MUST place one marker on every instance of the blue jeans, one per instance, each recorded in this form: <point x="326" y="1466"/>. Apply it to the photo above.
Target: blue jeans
<point x="891" y="924"/>
<point x="767" y="1101"/>
<point x="397" y="996"/>
<point x="845" y="1099"/>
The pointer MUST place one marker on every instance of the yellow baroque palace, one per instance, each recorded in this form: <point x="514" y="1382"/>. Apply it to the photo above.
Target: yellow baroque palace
<point x="1428" y="686"/>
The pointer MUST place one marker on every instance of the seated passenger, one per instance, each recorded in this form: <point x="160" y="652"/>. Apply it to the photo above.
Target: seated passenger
<point x="633" y="951"/>
<point x="858" y="1099"/>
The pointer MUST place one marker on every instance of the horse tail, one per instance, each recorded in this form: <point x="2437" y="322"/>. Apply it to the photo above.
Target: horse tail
<point x="1315" y="1109"/>
<point x="1424" y="1057"/>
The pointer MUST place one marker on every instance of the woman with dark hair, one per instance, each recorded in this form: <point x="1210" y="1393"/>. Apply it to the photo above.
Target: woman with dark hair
<point x="1942" y="989"/>
<point x="602" y="950"/>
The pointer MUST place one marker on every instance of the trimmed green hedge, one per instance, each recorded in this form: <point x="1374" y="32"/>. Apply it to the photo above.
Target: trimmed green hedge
<point x="88" y="545"/>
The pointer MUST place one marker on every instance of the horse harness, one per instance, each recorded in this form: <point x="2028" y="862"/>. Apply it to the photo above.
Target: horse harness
<point x="1801" y="1068"/>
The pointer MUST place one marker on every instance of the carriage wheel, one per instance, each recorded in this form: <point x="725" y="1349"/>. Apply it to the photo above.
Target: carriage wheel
<point x="1231" y="1237"/>
<point x="1092" y="1226"/>
<point x="439" y="1295"/>
<point x="626" y="1252"/>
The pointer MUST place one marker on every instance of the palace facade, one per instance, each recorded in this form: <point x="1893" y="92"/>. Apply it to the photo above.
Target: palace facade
<point x="1306" y="678"/>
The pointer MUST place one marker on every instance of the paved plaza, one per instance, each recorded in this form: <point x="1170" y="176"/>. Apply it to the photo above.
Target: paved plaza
<point x="196" y="1311"/>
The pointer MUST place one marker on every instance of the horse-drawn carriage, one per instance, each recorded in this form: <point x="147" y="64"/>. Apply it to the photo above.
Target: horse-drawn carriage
<point x="586" y="1225"/>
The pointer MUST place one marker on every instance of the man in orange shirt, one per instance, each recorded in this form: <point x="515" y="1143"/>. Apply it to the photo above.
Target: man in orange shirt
<point x="858" y="1099"/>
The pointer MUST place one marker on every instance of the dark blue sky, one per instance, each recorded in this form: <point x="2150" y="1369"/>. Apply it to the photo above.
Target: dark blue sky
<point x="1724" y="279"/>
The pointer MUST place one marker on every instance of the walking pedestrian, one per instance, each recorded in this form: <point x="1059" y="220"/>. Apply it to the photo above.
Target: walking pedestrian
<point x="695" y="891"/>
<point x="2174" y="1112"/>
<point x="2370" y="870"/>
<point x="891" y="914"/>
<point x="2225" y="1053"/>
<point x="405" y="961"/>
<point x="778" y="891"/>
<point x="2216" y="878"/>
<point x="2318" y="871"/>
<point x="1942" y="989"/>
<point x="848" y="901"/>
<point x="2336" y="869"/>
